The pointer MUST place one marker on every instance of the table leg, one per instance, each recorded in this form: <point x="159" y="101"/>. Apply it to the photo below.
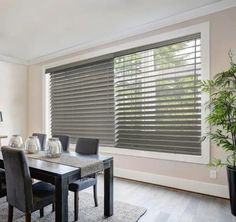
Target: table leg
<point x="61" y="186"/>
<point x="108" y="190"/>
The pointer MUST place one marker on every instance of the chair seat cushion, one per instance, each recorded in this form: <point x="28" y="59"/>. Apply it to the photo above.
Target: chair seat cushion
<point x="82" y="184"/>
<point x="2" y="174"/>
<point x="3" y="189"/>
<point x="43" y="194"/>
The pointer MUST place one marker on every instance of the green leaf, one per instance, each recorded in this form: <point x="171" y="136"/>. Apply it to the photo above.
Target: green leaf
<point x="216" y="163"/>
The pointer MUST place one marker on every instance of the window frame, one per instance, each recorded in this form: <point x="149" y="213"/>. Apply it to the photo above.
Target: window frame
<point x="202" y="28"/>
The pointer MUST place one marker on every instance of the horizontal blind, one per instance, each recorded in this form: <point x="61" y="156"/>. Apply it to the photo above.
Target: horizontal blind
<point x="158" y="98"/>
<point x="82" y="102"/>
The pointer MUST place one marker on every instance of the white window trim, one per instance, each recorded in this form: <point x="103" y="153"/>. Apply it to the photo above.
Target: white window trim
<point x="203" y="28"/>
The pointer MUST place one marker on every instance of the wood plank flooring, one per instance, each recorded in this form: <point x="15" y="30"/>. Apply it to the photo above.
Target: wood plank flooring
<point x="169" y="205"/>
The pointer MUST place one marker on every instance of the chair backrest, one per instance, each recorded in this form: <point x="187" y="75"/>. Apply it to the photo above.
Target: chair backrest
<point x="87" y="146"/>
<point x="64" y="141"/>
<point x="42" y="139"/>
<point x="18" y="179"/>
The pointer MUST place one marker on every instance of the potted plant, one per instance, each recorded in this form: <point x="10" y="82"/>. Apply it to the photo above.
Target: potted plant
<point x="222" y="118"/>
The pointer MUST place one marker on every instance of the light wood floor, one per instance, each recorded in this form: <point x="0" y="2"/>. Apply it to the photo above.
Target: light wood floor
<point x="170" y="205"/>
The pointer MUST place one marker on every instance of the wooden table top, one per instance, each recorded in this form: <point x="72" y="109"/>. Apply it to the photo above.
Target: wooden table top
<point x="56" y="168"/>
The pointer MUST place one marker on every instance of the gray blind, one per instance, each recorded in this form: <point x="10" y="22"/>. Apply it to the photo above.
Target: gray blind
<point x="158" y="98"/>
<point x="82" y="102"/>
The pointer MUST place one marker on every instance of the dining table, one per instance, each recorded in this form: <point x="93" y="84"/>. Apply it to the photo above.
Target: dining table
<point x="61" y="175"/>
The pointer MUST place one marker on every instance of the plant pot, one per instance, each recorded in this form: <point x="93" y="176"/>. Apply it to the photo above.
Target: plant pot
<point x="231" y="172"/>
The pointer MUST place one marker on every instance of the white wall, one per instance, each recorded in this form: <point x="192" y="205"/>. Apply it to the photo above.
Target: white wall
<point x="170" y="173"/>
<point x="13" y="99"/>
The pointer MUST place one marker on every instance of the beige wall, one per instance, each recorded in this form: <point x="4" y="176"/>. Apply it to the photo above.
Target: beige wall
<point x="13" y="99"/>
<point x="35" y="108"/>
<point x="222" y="38"/>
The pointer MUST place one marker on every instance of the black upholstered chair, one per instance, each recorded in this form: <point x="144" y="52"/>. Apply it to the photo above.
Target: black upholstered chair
<point x="21" y="193"/>
<point x="3" y="190"/>
<point x="42" y="139"/>
<point x="87" y="147"/>
<point x="64" y="141"/>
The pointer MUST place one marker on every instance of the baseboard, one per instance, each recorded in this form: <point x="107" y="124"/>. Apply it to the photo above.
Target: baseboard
<point x="174" y="182"/>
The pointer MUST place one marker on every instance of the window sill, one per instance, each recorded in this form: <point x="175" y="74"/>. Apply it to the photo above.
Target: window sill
<point x="203" y="159"/>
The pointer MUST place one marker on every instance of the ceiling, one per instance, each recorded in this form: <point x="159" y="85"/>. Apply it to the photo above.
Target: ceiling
<point x="30" y="29"/>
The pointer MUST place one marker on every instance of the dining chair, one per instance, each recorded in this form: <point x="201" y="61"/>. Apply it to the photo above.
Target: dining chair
<point x="3" y="190"/>
<point x="84" y="146"/>
<point x="21" y="193"/>
<point x="42" y="139"/>
<point x="64" y="141"/>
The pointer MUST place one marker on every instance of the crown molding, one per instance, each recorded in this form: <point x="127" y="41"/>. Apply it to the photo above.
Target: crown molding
<point x="151" y="26"/>
<point x="14" y="60"/>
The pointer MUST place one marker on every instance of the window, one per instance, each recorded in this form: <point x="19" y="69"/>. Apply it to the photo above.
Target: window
<point x="82" y="102"/>
<point x="158" y="98"/>
<point x="147" y="98"/>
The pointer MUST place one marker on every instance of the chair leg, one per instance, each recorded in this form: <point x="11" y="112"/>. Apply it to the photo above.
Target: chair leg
<point x="41" y="212"/>
<point x="28" y="217"/>
<point x="95" y="195"/>
<point x="53" y="207"/>
<point x="10" y="213"/>
<point x="76" y="205"/>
